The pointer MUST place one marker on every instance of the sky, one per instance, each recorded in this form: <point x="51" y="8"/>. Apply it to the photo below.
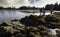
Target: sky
<point x="19" y="3"/>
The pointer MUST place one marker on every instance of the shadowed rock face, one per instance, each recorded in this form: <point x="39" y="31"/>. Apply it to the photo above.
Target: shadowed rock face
<point x="51" y="22"/>
<point x="51" y="19"/>
<point x="31" y="20"/>
<point x="36" y="20"/>
<point x="3" y="24"/>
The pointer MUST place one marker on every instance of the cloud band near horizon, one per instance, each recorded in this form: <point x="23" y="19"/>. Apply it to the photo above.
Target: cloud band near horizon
<point x="18" y="3"/>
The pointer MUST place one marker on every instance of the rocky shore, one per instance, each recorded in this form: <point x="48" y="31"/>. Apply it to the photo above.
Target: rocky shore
<point x="30" y="26"/>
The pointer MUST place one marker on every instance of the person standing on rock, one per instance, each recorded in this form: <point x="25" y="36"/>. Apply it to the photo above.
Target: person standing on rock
<point x="43" y="10"/>
<point x="51" y="11"/>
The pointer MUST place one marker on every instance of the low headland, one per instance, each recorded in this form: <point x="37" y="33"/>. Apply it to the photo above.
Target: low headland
<point x="30" y="26"/>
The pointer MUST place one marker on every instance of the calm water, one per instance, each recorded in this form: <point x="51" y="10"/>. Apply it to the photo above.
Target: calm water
<point x="12" y="14"/>
<point x="15" y="14"/>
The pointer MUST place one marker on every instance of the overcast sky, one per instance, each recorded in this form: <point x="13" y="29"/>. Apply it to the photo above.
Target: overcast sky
<point x="18" y="3"/>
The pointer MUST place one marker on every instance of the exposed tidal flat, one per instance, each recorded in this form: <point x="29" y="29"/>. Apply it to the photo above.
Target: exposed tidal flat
<point x="31" y="26"/>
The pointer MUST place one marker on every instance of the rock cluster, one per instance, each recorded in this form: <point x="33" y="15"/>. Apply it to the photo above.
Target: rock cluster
<point x="31" y="26"/>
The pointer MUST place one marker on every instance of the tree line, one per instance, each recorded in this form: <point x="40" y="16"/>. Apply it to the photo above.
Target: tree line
<point x="8" y="8"/>
<point x="55" y="6"/>
<point x="28" y="8"/>
<point x="21" y="8"/>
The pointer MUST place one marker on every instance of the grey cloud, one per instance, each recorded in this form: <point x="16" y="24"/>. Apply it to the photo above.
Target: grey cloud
<point x="17" y="3"/>
<point x="33" y="1"/>
<point x="20" y="1"/>
<point x="3" y="2"/>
